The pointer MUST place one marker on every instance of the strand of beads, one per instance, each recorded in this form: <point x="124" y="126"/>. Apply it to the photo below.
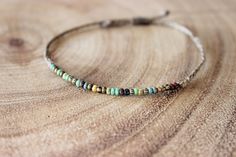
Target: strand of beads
<point x="115" y="91"/>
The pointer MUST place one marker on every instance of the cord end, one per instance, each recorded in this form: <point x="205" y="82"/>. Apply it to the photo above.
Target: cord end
<point x="166" y="13"/>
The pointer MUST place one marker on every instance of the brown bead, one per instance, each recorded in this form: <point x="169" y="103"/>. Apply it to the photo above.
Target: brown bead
<point x="167" y="86"/>
<point x="159" y="89"/>
<point x="172" y="86"/>
<point x="121" y="91"/>
<point x="163" y="88"/>
<point x="145" y="91"/>
<point x="178" y="85"/>
<point x="141" y="92"/>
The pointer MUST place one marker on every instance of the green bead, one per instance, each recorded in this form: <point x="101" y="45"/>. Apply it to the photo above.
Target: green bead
<point x="117" y="91"/>
<point x="52" y="66"/>
<point x="112" y="91"/>
<point x="59" y="71"/>
<point x="77" y="83"/>
<point x="136" y="91"/>
<point x="89" y="86"/>
<point x="73" y="81"/>
<point x="108" y="91"/>
<point x="65" y="76"/>
<point x="69" y="78"/>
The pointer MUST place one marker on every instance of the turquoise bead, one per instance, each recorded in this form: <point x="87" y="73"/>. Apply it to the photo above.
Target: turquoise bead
<point x="154" y="90"/>
<point x="117" y="91"/>
<point x="66" y="77"/>
<point x="52" y="66"/>
<point x="150" y="90"/>
<point x="112" y="91"/>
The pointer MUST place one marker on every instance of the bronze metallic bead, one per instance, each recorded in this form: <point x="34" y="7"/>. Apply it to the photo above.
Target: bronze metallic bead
<point x="141" y="92"/>
<point x="167" y="86"/>
<point x="145" y="91"/>
<point x="159" y="89"/>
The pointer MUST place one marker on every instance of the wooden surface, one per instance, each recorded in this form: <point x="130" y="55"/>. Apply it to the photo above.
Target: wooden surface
<point x="40" y="115"/>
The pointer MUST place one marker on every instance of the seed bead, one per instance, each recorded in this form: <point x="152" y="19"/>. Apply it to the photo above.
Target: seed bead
<point x="94" y="88"/>
<point x="108" y="91"/>
<point x="64" y="76"/>
<point x="69" y="78"/>
<point x="163" y="88"/>
<point x="99" y="89"/>
<point x="150" y="90"/>
<point x="131" y="91"/>
<point x="77" y="83"/>
<point x="52" y="66"/>
<point x="141" y="92"/>
<point x="59" y="72"/>
<point x="122" y="91"/>
<point x="82" y="82"/>
<point x="73" y="81"/>
<point x="136" y="91"/>
<point x="154" y="89"/>
<point x="85" y="85"/>
<point x="89" y="87"/>
<point x="126" y="92"/>
<point x="104" y="90"/>
<point x="113" y="91"/>
<point x="159" y="89"/>
<point x="117" y="91"/>
<point x="145" y="91"/>
<point x="55" y="70"/>
<point x="167" y="87"/>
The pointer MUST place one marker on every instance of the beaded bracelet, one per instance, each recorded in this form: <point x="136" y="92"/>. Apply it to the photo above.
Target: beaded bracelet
<point x="116" y="91"/>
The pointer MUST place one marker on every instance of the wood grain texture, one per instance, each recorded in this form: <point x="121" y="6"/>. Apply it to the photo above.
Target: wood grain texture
<point x="40" y="115"/>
